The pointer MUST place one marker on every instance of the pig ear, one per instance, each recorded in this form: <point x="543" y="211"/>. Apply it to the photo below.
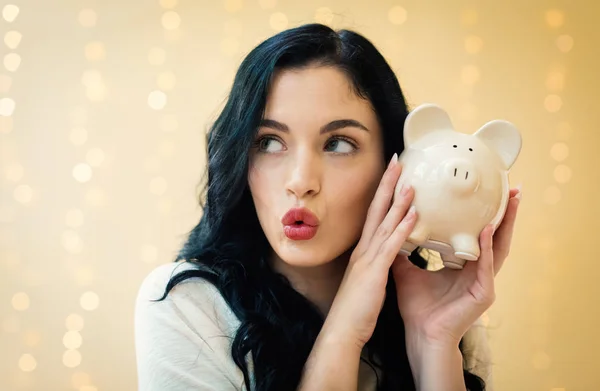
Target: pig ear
<point x="425" y="119"/>
<point x="503" y="138"/>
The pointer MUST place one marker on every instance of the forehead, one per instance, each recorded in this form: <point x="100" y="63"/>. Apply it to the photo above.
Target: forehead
<point x="315" y="93"/>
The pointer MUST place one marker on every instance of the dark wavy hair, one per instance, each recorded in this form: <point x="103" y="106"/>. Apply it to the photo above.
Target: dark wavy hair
<point x="230" y="250"/>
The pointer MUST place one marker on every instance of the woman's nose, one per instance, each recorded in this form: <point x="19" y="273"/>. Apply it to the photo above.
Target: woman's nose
<point x="304" y="177"/>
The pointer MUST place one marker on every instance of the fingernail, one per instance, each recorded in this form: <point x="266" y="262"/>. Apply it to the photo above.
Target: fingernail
<point x="412" y="211"/>
<point x="405" y="189"/>
<point x="400" y="188"/>
<point x="519" y="193"/>
<point x="394" y="159"/>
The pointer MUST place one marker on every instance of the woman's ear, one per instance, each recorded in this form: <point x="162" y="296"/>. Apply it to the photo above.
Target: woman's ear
<point x="425" y="119"/>
<point x="503" y="138"/>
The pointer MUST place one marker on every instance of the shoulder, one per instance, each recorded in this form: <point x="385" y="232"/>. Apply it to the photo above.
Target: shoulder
<point x="194" y="301"/>
<point x="477" y="352"/>
<point x="184" y="340"/>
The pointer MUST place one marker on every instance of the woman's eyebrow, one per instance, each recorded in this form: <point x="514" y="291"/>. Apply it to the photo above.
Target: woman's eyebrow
<point x="330" y="127"/>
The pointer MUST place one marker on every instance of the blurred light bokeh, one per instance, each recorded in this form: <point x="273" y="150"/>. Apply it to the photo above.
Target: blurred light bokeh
<point x="103" y="110"/>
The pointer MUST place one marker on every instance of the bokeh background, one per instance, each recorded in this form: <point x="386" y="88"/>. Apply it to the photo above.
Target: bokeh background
<point x="104" y="105"/>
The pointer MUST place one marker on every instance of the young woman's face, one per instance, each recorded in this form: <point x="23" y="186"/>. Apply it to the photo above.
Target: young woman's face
<point x="305" y="156"/>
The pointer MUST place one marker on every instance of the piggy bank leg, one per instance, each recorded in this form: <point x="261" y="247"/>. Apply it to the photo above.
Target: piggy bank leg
<point x="465" y="247"/>
<point x="452" y="262"/>
<point x="408" y="248"/>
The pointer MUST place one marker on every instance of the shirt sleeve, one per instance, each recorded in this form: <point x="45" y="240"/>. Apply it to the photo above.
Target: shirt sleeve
<point x="478" y="354"/>
<point x="183" y="342"/>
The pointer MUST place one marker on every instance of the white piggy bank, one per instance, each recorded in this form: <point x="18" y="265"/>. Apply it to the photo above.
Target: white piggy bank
<point x="460" y="181"/>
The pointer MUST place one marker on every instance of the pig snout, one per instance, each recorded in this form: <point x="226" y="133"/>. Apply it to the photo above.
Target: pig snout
<point x="461" y="175"/>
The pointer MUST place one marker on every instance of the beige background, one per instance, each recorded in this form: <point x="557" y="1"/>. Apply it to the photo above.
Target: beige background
<point x="103" y="109"/>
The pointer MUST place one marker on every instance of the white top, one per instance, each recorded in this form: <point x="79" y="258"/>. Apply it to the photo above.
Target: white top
<point x="183" y="342"/>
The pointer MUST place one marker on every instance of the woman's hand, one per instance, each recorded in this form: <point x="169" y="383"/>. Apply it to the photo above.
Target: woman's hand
<point x="358" y="302"/>
<point x="440" y="306"/>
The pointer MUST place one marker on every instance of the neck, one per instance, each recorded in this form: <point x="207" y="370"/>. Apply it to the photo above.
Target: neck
<point x="319" y="284"/>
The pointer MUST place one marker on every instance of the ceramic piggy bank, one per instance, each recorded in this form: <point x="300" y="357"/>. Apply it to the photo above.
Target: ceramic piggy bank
<point x="460" y="181"/>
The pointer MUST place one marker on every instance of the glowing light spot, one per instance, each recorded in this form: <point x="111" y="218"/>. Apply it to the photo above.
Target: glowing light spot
<point x="72" y="340"/>
<point x="71" y="358"/>
<point x="157" y="100"/>
<point x="171" y="20"/>
<point x="23" y="194"/>
<point x="562" y="173"/>
<point x="559" y="151"/>
<point x="553" y="103"/>
<point x="470" y="74"/>
<point x="473" y="44"/>
<point x="7" y="107"/>
<point x="397" y="15"/>
<point x="89" y="301"/>
<point x="71" y="241"/>
<point x="565" y="43"/>
<point x="278" y="21"/>
<point x="555" y="18"/>
<point x="87" y="17"/>
<point x="12" y="39"/>
<point x="82" y="172"/>
<point x="74" y="322"/>
<point x="12" y="61"/>
<point x="95" y="51"/>
<point x="27" y="363"/>
<point x="234" y="5"/>
<point x="10" y="12"/>
<point x="20" y="301"/>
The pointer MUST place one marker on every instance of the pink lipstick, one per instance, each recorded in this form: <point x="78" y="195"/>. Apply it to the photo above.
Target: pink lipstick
<point x="300" y="224"/>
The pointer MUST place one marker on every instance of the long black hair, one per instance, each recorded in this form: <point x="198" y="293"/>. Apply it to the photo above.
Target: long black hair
<point x="228" y="247"/>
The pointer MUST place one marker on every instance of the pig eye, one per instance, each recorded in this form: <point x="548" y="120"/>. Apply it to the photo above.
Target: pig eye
<point x="471" y="149"/>
<point x="454" y="146"/>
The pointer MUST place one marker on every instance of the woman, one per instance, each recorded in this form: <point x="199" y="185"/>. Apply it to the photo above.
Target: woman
<point x="292" y="279"/>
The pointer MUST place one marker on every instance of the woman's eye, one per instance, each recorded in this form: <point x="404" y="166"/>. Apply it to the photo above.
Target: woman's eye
<point x="268" y="144"/>
<point x="340" y="146"/>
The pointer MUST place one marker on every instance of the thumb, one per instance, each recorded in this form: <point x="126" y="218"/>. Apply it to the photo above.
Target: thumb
<point x="401" y="265"/>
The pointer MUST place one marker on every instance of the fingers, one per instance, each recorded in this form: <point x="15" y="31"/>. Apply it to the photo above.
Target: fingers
<point x="504" y="234"/>
<point x="396" y="213"/>
<point x="485" y="264"/>
<point x="381" y="202"/>
<point x="390" y="248"/>
<point x="399" y="266"/>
